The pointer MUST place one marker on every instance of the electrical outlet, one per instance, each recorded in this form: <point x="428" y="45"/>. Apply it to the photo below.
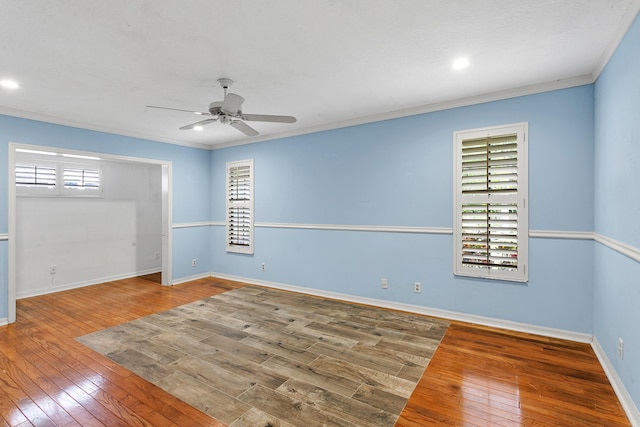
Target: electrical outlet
<point x="383" y="283"/>
<point x="156" y="255"/>
<point x="263" y="266"/>
<point x="194" y="262"/>
<point x="53" y="269"/>
<point x="620" y="348"/>
<point x="417" y="287"/>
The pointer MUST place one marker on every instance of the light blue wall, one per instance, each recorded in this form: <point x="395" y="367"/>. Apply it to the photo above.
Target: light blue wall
<point x="191" y="183"/>
<point x="188" y="244"/>
<point x="391" y="173"/>
<point x="617" y="208"/>
<point x="399" y="173"/>
<point x="584" y="169"/>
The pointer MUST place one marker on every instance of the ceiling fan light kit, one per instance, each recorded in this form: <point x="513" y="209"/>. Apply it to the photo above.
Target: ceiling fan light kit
<point x="229" y="111"/>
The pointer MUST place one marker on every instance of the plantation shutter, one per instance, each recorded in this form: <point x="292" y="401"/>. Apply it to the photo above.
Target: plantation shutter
<point x="81" y="178"/>
<point x="35" y="176"/>
<point x="240" y="207"/>
<point x="491" y="217"/>
<point x="46" y="174"/>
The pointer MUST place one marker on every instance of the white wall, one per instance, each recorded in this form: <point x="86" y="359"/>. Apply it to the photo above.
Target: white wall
<point x="91" y="240"/>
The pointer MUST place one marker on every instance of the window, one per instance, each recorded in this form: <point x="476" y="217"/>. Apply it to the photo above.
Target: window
<point x="240" y="206"/>
<point x="490" y="212"/>
<point x="78" y="177"/>
<point x="54" y="178"/>
<point x="33" y="175"/>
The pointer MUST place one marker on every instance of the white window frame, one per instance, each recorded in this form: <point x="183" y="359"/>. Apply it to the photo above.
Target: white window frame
<point x="59" y="190"/>
<point x="36" y="190"/>
<point x="518" y="200"/>
<point x="82" y="191"/>
<point x="246" y="204"/>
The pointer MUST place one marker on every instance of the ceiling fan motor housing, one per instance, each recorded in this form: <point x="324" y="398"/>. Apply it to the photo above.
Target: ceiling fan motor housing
<point x="214" y="107"/>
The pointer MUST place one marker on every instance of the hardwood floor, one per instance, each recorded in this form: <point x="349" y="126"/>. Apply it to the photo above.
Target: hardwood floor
<point x="153" y="277"/>
<point x="478" y="376"/>
<point x="482" y="376"/>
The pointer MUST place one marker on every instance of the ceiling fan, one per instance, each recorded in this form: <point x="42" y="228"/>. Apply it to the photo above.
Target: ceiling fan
<point x="228" y="111"/>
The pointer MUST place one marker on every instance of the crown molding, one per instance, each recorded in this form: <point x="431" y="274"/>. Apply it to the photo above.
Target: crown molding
<point x="429" y="108"/>
<point x="104" y="129"/>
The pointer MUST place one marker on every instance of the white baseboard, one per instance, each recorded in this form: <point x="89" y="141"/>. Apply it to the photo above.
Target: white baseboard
<point x="96" y="281"/>
<point x="626" y="401"/>
<point x="428" y="311"/>
<point x="4" y="321"/>
<point x="191" y="278"/>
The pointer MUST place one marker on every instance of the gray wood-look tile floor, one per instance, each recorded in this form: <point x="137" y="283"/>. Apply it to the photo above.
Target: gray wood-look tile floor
<point x="256" y="356"/>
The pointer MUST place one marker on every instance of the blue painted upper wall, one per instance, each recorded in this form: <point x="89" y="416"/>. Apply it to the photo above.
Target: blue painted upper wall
<point x="400" y="172"/>
<point x="584" y="158"/>
<point x="617" y="149"/>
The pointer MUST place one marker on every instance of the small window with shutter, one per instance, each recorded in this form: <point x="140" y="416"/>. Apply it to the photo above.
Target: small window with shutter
<point x="49" y="176"/>
<point x="81" y="178"/>
<point x="239" y="207"/>
<point x="490" y="212"/>
<point x="36" y="178"/>
<point x="35" y="175"/>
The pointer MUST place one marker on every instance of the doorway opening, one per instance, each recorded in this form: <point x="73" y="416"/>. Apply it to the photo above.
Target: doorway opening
<point x="66" y="233"/>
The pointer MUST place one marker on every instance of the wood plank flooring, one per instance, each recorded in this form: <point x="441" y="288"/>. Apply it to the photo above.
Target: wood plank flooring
<point x="287" y="357"/>
<point x="483" y="376"/>
<point x="478" y="376"/>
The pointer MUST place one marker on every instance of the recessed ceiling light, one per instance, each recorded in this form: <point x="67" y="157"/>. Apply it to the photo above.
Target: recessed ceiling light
<point x="9" y="84"/>
<point x="460" y="63"/>
<point x="198" y="128"/>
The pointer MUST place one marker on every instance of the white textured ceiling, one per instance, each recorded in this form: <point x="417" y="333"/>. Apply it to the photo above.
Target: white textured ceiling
<point x="97" y="64"/>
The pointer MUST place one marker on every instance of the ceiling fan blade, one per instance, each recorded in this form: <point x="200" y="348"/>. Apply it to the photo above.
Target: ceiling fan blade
<point x="244" y="128"/>
<point x="200" y="123"/>
<point x="232" y="104"/>
<point x="178" y="109"/>
<point x="268" y="118"/>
